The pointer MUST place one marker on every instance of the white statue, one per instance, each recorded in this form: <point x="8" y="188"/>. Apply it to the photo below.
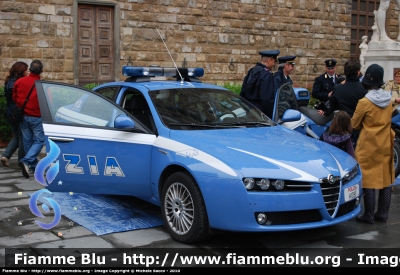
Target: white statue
<point x="380" y="16"/>
<point x="375" y="30"/>
<point x="363" y="50"/>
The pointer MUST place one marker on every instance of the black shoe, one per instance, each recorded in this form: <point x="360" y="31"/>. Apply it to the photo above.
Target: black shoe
<point x="24" y="168"/>
<point x="362" y="218"/>
<point x="377" y="218"/>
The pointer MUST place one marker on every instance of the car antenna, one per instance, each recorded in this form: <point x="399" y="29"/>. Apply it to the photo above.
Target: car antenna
<point x="170" y="56"/>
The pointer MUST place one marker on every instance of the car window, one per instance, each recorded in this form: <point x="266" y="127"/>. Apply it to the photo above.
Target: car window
<point x="203" y="106"/>
<point x="76" y="106"/>
<point x="109" y="92"/>
<point x="126" y="102"/>
<point x="286" y="100"/>
<point x="136" y="104"/>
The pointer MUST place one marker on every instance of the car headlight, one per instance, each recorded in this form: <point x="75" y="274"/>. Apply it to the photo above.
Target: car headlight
<point x="263" y="183"/>
<point x="248" y="183"/>
<point x="351" y="174"/>
<point x="278" y="184"/>
<point x="273" y="185"/>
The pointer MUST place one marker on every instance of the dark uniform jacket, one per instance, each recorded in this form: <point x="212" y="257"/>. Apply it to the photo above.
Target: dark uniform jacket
<point x="323" y="85"/>
<point x="8" y="95"/>
<point x="280" y="79"/>
<point x="258" y="88"/>
<point x="8" y="91"/>
<point x="345" y="96"/>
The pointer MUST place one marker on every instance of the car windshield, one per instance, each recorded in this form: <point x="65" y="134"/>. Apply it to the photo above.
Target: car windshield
<point x="194" y="108"/>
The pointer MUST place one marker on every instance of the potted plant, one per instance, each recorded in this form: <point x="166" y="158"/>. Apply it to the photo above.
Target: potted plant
<point x="5" y="130"/>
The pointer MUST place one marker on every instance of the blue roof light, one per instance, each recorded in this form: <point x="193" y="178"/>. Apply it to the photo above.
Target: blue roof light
<point x="196" y="72"/>
<point x="161" y="71"/>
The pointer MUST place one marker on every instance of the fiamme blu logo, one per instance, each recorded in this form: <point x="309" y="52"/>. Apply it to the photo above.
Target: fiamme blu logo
<point x="45" y="172"/>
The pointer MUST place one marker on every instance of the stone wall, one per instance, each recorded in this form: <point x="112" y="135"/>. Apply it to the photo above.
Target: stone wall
<point x="31" y="30"/>
<point x="223" y="37"/>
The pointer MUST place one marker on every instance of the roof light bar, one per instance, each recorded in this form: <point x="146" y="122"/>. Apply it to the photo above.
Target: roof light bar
<point x="161" y="71"/>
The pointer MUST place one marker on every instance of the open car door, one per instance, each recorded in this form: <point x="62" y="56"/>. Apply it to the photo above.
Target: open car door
<point x="97" y="154"/>
<point x="285" y="100"/>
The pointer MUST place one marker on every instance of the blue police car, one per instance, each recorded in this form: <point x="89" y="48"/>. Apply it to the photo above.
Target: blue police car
<point x="206" y="156"/>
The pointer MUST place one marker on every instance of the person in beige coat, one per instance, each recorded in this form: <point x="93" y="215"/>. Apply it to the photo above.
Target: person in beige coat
<point x="393" y="86"/>
<point x="374" y="149"/>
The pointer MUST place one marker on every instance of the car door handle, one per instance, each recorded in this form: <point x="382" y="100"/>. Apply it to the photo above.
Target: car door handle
<point x="61" y="139"/>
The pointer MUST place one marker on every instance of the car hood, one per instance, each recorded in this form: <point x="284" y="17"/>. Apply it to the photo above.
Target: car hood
<point x="256" y="152"/>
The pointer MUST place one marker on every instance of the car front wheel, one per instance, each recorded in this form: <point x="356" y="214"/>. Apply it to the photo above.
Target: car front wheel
<point x="183" y="209"/>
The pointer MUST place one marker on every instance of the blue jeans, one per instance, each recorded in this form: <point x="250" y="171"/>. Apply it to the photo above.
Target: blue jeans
<point x="33" y="138"/>
<point x="15" y="143"/>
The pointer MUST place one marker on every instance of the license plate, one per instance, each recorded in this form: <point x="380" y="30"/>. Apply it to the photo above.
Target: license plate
<point x="352" y="192"/>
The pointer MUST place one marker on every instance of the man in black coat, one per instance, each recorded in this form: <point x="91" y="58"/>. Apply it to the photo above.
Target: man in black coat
<point x="285" y="68"/>
<point x="258" y="84"/>
<point x="323" y="84"/>
<point x="345" y="96"/>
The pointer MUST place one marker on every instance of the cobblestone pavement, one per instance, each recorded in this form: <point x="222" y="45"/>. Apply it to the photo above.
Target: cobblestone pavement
<point x="19" y="230"/>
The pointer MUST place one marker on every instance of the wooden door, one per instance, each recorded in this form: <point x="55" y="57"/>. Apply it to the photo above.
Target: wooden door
<point x="362" y="19"/>
<point x="95" y="44"/>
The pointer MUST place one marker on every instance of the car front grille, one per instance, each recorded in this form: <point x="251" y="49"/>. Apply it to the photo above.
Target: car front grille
<point x="305" y="216"/>
<point x="293" y="217"/>
<point x="346" y="208"/>
<point x="330" y="194"/>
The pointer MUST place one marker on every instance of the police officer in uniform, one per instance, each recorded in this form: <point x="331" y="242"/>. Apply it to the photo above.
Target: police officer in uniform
<point x="258" y="84"/>
<point x="323" y="84"/>
<point x="285" y="68"/>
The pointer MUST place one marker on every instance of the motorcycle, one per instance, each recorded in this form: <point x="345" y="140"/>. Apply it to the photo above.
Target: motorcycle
<point x="311" y="123"/>
<point x="396" y="129"/>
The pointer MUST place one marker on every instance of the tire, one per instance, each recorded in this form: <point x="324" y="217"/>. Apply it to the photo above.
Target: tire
<point x="183" y="209"/>
<point x="396" y="154"/>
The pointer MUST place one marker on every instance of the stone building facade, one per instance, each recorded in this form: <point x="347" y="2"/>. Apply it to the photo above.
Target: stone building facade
<point x="223" y="37"/>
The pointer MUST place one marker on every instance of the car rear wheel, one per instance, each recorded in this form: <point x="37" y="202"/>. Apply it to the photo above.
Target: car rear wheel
<point x="183" y="209"/>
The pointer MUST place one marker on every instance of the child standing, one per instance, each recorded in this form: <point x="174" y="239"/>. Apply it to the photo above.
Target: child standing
<point x="339" y="133"/>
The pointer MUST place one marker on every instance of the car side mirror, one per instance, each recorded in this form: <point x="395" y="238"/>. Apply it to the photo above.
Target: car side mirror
<point x="124" y="122"/>
<point x="291" y="115"/>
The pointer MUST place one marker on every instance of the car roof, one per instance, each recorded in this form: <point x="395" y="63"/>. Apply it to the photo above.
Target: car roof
<point x="146" y="77"/>
<point x="158" y="85"/>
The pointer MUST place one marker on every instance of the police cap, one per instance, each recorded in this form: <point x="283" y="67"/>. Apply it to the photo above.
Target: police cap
<point x="330" y="63"/>
<point x="272" y="53"/>
<point x="287" y="59"/>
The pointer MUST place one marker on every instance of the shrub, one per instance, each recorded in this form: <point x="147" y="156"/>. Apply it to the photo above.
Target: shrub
<point x="313" y="102"/>
<point x="91" y="85"/>
<point x="234" y="87"/>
